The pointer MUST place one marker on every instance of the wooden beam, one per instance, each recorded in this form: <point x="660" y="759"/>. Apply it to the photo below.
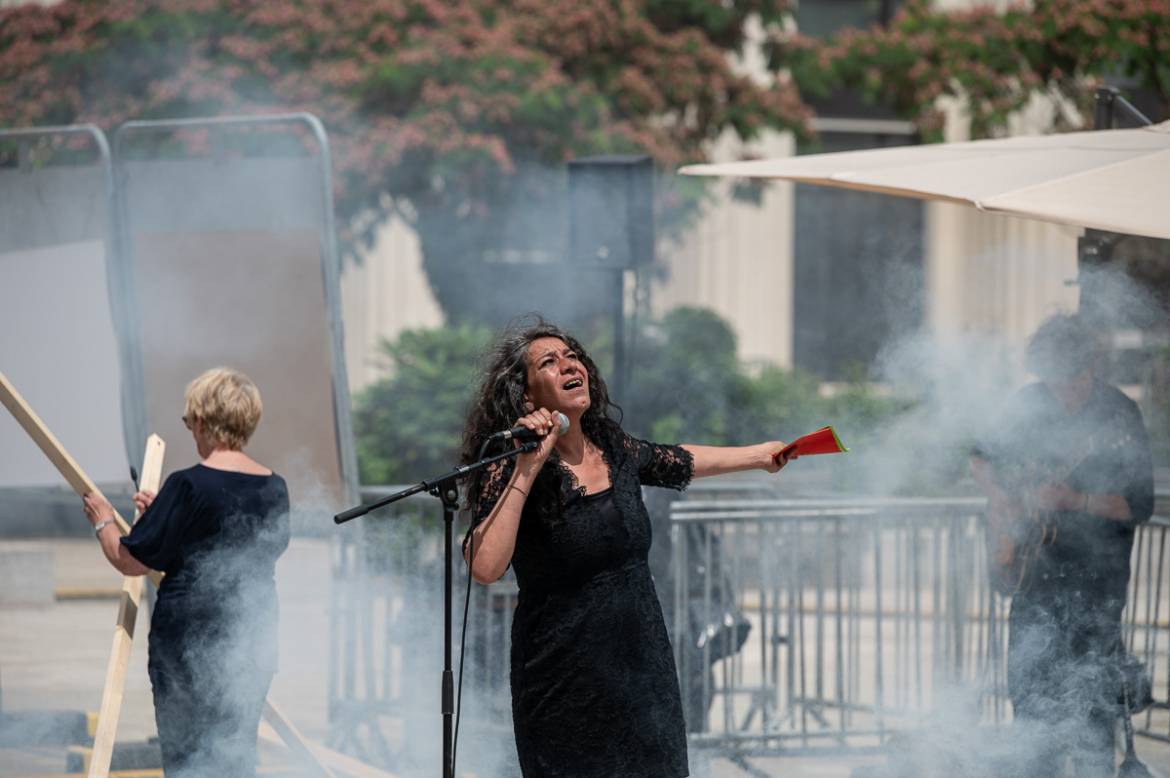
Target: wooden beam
<point x="342" y="763"/>
<point x="119" y="665"/>
<point x="52" y="448"/>
<point x="81" y="483"/>
<point x="294" y="739"/>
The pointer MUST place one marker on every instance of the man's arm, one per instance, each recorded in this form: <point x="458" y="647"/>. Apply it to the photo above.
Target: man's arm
<point x="1062" y="497"/>
<point x="1130" y="498"/>
<point x="984" y="475"/>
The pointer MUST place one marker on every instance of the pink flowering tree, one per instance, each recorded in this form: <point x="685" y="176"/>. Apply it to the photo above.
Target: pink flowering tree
<point x="995" y="60"/>
<point x="437" y="109"/>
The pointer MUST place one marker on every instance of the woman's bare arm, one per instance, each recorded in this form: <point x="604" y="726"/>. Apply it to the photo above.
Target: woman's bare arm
<point x="109" y="536"/>
<point x="717" y="460"/>
<point x="494" y="540"/>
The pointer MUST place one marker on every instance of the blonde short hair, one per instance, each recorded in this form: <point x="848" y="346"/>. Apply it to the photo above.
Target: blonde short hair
<point x="228" y="404"/>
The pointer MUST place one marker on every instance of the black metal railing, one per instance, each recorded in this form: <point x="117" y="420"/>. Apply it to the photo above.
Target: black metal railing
<point x="799" y="626"/>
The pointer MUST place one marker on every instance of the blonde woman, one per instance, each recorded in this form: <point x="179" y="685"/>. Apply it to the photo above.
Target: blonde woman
<point x="216" y="529"/>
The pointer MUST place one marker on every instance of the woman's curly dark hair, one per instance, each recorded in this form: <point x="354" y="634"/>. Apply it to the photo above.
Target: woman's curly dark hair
<point x="500" y="398"/>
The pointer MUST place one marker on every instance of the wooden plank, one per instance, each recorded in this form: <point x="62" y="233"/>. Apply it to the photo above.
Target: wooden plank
<point x="119" y="664"/>
<point x="84" y="593"/>
<point x="343" y="763"/>
<point x="293" y="739"/>
<point x="81" y="483"/>
<point x="84" y="755"/>
<point x="49" y="445"/>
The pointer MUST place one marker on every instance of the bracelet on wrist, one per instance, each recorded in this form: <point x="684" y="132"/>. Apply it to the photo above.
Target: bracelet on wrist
<point x="101" y="525"/>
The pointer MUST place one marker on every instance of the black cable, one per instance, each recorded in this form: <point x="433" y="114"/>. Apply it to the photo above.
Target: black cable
<point x="474" y="503"/>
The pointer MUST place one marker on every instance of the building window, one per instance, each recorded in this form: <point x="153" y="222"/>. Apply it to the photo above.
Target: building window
<point x="858" y="269"/>
<point x="822" y="18"/>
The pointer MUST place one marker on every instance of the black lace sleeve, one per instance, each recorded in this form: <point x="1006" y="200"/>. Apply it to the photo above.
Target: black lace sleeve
<point x="490" y="486"/>
<point x="661" y="465"/>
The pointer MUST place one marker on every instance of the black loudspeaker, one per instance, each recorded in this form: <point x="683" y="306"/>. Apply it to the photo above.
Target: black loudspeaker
<point x="611" y="211"/>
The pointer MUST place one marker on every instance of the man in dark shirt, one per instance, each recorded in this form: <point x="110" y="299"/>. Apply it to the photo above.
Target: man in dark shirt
<point x="1069" y="466"/>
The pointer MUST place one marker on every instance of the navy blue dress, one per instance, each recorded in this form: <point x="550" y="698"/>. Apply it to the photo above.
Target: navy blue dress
<point x="217" y="535"/>
<point x="594" y="687"/>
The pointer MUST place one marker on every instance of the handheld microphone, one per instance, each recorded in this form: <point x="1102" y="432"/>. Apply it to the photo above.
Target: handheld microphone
<point x="525" y="434"/>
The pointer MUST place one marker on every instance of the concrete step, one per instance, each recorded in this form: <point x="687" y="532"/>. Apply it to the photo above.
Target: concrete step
<point x="43" y="728"/>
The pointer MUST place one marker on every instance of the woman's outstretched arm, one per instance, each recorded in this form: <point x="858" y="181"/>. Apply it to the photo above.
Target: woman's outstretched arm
<point x="717" y="460"/>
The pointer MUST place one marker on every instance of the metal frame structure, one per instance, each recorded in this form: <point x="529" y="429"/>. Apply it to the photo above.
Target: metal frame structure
<point x="824" y="583"/>
<point x="862" y="613"/>
<point x="1147" y="622"/>
<point x="121" y="309"/>
<point x="123" y="297"/>
<point x="387" y="609"/>
<point x="330" y="268"/>
<point x="866" y="609"/>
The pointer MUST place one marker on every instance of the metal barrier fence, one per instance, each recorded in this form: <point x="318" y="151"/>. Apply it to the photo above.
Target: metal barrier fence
<point x="386" y="636"/>
<point x="1147" y="621"/>
<point x="799" y="627"/>
<point x="811" y="626"/>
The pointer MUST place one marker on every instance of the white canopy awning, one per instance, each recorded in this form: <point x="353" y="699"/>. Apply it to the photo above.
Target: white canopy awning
<point x="1116" y="180"/>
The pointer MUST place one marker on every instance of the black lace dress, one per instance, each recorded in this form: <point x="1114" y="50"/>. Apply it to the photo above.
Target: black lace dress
<point x="594" y="687"/>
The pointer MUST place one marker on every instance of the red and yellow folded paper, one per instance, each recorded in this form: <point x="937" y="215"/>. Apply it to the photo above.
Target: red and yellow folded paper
<point x="823" y="441"/>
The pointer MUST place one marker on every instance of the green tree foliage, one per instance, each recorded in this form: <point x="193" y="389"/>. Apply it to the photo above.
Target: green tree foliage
<point x="687" y="386"/>
<point x="446" y="111"/>
<point x="996" y="61"/>
<point x="684" y="378"/>
<point x="409" y="424"/>
<point x="778" y="403"/>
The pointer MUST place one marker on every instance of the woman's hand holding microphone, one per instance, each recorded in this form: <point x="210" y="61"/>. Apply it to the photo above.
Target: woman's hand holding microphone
<point x="548" y="426"/>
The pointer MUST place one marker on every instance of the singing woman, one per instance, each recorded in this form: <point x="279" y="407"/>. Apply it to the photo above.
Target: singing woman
<point x="594" y="687"/>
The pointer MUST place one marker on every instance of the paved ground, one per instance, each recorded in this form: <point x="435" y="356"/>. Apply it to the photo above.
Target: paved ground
<point x="53" y="656"/>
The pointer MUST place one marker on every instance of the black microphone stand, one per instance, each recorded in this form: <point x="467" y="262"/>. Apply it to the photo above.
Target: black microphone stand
<point x="444" y="487"/>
